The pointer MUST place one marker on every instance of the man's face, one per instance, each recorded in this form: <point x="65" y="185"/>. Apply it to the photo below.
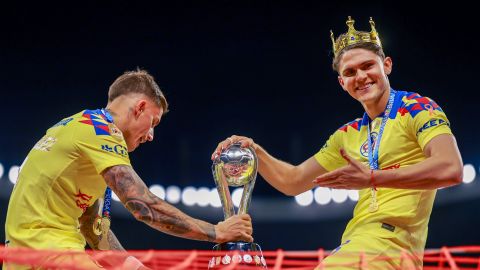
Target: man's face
<point x="363" y="74"/>
<point x="143" y="118"/>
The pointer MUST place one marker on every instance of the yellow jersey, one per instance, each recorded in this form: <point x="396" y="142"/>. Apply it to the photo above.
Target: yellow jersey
<point x="61" y="178"/>
<point x="402" y="213"/>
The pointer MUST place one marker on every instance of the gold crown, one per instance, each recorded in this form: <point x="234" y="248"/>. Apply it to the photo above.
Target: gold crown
<point x="353" y="36"/>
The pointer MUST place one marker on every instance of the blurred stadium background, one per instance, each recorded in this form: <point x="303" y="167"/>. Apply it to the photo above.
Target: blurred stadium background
<point x="256" y="68"/>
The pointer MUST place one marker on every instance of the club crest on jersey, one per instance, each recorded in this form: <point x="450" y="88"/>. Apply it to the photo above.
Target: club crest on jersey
<point x="364" y="147"/>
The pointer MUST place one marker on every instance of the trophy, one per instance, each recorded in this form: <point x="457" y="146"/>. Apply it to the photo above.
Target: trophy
<point x="235" y="167"/>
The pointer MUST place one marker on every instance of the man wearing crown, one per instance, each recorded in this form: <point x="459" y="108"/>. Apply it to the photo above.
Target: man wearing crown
<point x="396" y="155"/>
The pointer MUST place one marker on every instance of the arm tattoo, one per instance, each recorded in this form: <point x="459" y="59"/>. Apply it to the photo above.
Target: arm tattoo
<point x="155" y="212"/>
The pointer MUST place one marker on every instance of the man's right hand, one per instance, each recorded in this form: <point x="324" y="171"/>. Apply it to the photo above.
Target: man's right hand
<point x="235" y="228"/>
<point x="245" y="142"/>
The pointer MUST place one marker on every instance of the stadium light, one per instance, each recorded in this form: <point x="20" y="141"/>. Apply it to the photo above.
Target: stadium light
<point x="304" y="199"/>
<point x="1" y="170"/>
<point x="215" y="198"/>
<point x="158" y="190"/>
<point x="339" y="195"/>
<point x="173" y="194"/>
<point x="203" y="196"/>
<point x="468" y="173"/>
<point x="13" y="174"/>
<point x="322" y="195"/>
<point x="353" y="195"/>
<point x="189" y="196"/>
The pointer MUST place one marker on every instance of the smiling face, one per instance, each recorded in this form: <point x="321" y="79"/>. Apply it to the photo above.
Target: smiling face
<point x="143" y="117"/>
<point x="363" y="74"/>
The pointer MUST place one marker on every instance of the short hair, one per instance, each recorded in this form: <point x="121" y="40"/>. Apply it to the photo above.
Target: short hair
<point x="138" y="81"/>
<point x="366" y="45"/>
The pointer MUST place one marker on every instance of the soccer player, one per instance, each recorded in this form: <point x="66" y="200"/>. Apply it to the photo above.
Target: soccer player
<point x="58" y="201"/>
<point x="397" y="155"/>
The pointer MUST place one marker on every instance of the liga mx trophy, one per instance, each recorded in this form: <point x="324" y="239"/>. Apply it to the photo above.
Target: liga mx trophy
<point x="236" y="167"/>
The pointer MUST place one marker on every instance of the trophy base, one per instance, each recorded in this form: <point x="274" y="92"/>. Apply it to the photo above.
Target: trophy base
<point x="241" y="253"/>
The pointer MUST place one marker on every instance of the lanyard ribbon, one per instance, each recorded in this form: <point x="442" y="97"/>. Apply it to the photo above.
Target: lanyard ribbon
<point x="101" y="225"/>
<point x="374" y="145"/>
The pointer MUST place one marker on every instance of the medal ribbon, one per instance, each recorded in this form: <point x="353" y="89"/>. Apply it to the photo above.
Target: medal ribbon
<point x="373" y="148"/>
<point x="108" y="192"/>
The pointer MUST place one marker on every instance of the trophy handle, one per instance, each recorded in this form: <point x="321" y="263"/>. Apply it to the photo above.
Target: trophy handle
<point x="248" y="188"/>
<point x="246" y="197"/>
<point x="223" y="191"/>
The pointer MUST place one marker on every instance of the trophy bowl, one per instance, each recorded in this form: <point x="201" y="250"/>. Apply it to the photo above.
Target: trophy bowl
<point x="238" y="165"/>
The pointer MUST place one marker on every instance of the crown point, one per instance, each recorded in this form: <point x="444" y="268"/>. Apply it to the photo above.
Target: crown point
<point x="350" y="24"/>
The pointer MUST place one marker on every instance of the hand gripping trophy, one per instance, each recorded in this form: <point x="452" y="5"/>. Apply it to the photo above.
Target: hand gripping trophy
<point x="235" y="167"/>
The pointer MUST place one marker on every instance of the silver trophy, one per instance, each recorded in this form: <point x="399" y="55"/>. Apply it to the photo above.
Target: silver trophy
<point x="235" y="167"/>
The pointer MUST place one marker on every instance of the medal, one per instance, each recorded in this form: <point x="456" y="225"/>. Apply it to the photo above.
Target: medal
<point x="374" y="146"/>
<point x="103" y="244"/>
<point x="97" y="226"/>
<point x="373" y="207"/>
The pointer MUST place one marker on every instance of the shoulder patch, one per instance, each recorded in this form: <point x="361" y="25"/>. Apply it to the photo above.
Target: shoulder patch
<point x="97" y="120"/>
<point x="413" y="104"/>
<point x="355" y="124"/>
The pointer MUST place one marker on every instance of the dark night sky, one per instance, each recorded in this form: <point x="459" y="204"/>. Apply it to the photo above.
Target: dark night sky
<point x="257" y="68"/>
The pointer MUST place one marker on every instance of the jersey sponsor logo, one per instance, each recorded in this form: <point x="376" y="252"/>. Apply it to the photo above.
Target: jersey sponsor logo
<point x="432" y="123"/>
<point x="63" y="122"/>
<point x="45" y="144"/>
<point x="364" y="147"/>
<point x="117" y="149"/>
<point x="82" y="200"/>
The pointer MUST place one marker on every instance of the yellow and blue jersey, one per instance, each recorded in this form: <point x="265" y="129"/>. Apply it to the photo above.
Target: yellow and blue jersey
<point x="403" y="213"/>
<point x="61" y="178"/>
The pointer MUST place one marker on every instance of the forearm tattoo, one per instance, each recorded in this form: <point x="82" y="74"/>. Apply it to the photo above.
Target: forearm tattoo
<point x="147" y="207"/>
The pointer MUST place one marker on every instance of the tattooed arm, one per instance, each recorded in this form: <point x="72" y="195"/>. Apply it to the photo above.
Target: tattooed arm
<point x="86" y="227"/>
<point x="157" y="213"/>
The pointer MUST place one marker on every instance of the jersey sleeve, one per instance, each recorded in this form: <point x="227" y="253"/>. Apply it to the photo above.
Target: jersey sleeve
<point x="329" y="155"/>
<point x="428" y="120"/>
<point x="100" y="147"/>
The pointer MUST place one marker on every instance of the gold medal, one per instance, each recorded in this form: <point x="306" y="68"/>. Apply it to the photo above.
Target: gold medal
<point x="103" y="244"/>
<point x="97" y="226"/>
<point x="373" y="201"/>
